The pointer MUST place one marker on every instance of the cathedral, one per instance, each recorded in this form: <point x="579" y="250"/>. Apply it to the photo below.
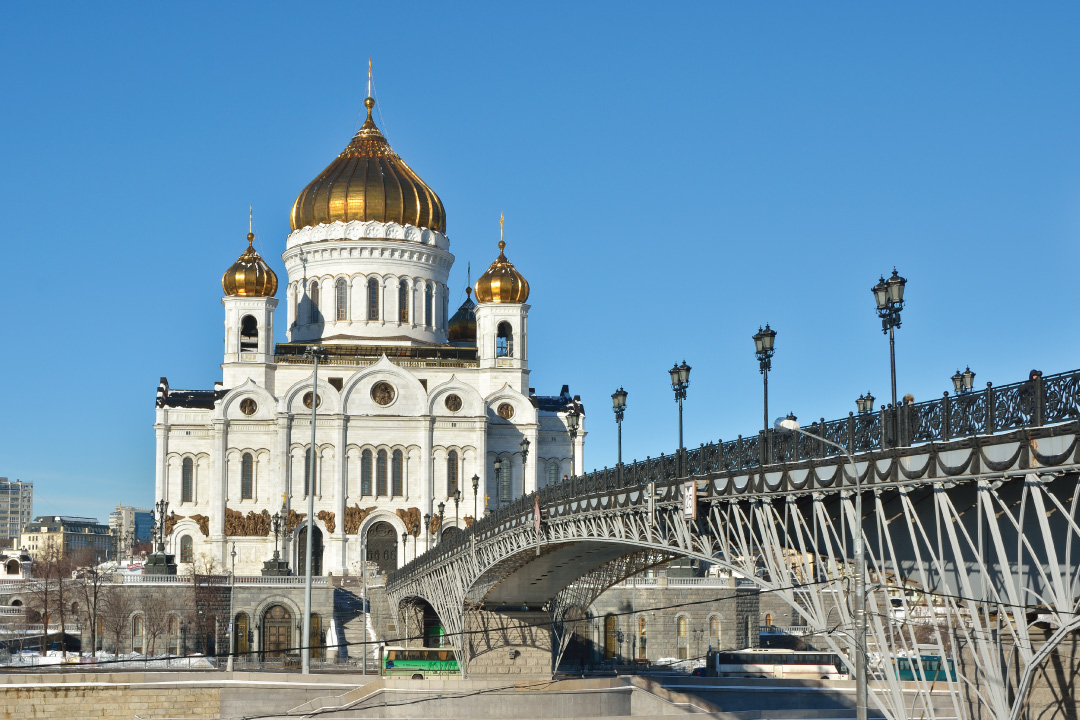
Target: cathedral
<point x="424" y="421"/>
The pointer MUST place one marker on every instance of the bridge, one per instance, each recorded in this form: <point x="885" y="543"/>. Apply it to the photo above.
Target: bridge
<point x="970" y="528"/>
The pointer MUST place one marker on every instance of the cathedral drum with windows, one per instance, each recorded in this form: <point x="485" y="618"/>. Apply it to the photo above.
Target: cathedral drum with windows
<point x="411" y="405"/>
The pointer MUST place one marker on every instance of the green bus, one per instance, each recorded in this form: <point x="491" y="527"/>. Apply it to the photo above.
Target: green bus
<point x="418" y="663"/>
<point x="924" y="667"/>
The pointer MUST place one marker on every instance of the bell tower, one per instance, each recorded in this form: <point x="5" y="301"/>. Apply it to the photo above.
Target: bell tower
<point x="502" y="322"/>
<point x="249" y="303"/>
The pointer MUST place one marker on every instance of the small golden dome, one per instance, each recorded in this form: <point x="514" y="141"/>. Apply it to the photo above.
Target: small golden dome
<point x="463" y="324"/>
<point x="502" y="283"/>
<point x="368" y="181"/>
<point x="249" y="276"/>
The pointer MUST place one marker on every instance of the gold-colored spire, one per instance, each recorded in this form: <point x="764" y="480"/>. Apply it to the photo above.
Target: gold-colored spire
<point x="250" y="276"/>
<point x="502" y="283"/>
<point x="368" y="181"/>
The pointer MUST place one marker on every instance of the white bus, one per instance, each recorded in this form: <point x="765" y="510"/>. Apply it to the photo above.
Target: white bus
<point x="776" y="663"/>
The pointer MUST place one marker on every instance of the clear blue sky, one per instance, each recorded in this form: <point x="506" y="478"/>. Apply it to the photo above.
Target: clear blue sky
<point x="671" y="178"/>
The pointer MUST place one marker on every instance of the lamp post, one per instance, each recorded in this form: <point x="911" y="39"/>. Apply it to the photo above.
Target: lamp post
<point x="427" y="530"/>
<point x="405" y="546"/>
<point x="475" y="488"/>
<point x="314" y="352"/>
<point x="232" y="609"/>
<point x="457" y="501"/>
<point x="498" y="479"/>
<point x="162" y="507"/>
<point x="416" y="538"/>
<point x="618" y="404"/>
<point x="763" y="348"/>
<point x="680" y="380"/>
<point x="791" y="424"/>
<point x="442" y="512"/>
<point x="889" y="296"/>
<point x="963" y="381"/>
<point x="572" y="422"/>
<point x="524" y="462"/>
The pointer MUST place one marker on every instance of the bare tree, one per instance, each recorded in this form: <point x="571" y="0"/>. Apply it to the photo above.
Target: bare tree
<point x="91" y="580"/>
<point x="45" y="569"/>
<point x="117" y="608"/>
<point x="206" y="586"/>
<point x="156" y="614"/>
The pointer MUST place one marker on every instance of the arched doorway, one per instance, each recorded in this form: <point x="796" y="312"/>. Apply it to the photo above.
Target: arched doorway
<point x="316" y="552"/>
<point x="241" y="643"/>
<point x="611" y="636"/>
<point x="382" y="546"/>
<point x="277" y="631"/>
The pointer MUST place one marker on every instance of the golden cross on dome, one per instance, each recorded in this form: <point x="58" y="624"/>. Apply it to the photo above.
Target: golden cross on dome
<point x="502" y="219"/>
<point x="251" y="218"/>
<point x="369" y="76"/>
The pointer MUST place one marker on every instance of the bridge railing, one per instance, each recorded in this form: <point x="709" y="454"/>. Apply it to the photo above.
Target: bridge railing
<point x="1033" y="402"/>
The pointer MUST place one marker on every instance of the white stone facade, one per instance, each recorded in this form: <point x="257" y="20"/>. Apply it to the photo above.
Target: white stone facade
<point x="400" y="414"/>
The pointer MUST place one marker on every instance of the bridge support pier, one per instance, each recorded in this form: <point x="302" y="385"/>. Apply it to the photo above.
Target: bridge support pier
<point x="509" y="642"/>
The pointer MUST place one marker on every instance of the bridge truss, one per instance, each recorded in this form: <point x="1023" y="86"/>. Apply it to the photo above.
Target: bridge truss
<point x="972" y="550"/>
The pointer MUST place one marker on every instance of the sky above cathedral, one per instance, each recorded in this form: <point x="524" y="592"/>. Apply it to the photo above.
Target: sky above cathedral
<point x="672" y="177"/>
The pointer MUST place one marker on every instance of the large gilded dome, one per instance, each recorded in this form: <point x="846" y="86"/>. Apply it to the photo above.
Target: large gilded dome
<point x="249" y="276"/>
<point x="502" y="283"/>
<point x="368" y="181"/>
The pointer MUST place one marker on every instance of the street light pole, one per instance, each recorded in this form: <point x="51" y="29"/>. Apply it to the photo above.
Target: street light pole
<point x="680" y="380"/>
<point x="475" y="488"/>
<point x="524" y="462"/>
<point x="313" y="351"/>
<point x="791" y="424"/>
<point x="618" y="404"/>
<point x="457" y="501"/>
<point x="764" y="341"/>
<point x="889" y="296"/>
<point x="572" y="420"/>
<point x="442" y="513"/>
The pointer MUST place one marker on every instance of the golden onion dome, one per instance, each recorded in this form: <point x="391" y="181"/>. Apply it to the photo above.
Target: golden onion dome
<point x="368" y="181"/>
<point x="463" y="323"/>
<point x="249" y="276"/>
<point x="502" y="283"/>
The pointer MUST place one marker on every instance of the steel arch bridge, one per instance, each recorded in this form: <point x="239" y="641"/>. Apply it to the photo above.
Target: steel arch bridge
<point x="971" y="521"/>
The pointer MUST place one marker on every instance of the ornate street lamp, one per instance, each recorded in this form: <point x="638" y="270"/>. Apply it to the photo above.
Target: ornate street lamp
<point x="232" y="610"/>
<point x="416" y="538"/>
<point x="457" y="501"/>
<point x="764" y="341"/>
<point x="442" y="512"/>
<point x="889" y="296"/>
<point x="427" y="529"/>
<point x="475" y="488"/>
<point x="618" y="404"/>
<point x="405" y="547"/>
<point x="680" y="380"/>
<point x="865" y="403"/>
<point x="524" y="462"/>
<point x="498" y="482"/>
<point x="573" y="419"/>
<point x="963" y="381"/>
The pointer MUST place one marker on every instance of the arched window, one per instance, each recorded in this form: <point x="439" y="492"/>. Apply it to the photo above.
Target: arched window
<point x="187" y="480"/>
<point x="552" y="473"/>
<point x="313" y="296"/>
<point x="187" y="549"/>
<point x="249" y="334"/>
<point x="247" y="476"/>
<point x="714" y="632"/>
<point x="428" y="308"/>
<point x="505" y="475"/>
<point x="768" y="619"/>
<point x="307" y="472"/>
<point x="403" y="301"/>
<point x="341" y="299"/>
<point x="137" y="633"/>
<point x="398" y="471"/>
<point x="504" y="341"/>
<point x="611" y="636"/>
<point x="380" y="474"/>
<point x="641" y="643"/>
<point x="682" y="638"/>
<point x="451" y="473"/>
<point x="372" y="299"/>
<point x="173" y="643"/>
<point x="365" y="473"/>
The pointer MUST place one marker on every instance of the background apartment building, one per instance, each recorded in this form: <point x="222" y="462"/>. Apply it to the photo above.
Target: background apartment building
<point x="16" y="509"/>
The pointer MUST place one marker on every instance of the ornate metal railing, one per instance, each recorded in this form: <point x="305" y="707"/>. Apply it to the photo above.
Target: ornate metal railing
<point x="1031" y="403"/>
